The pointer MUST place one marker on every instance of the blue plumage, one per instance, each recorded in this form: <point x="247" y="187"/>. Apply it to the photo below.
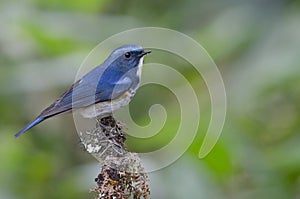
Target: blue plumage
<point x="114" y="78"/>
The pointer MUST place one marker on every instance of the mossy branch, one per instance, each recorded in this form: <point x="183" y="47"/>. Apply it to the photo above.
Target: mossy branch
<point x="122" y="174"/>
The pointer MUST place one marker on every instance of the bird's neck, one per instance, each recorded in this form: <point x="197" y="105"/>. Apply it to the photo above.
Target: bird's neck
<point x="139" y="68"/>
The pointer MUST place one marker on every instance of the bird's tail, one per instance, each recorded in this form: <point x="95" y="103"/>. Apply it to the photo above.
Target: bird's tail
<point x="29" y="126"/>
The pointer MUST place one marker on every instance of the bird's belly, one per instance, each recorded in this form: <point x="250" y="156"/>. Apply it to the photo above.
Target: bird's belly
<point x="106" y="108"/>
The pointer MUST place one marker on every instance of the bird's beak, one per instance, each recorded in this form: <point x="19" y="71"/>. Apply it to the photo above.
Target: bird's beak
<point x="145" y="52"/>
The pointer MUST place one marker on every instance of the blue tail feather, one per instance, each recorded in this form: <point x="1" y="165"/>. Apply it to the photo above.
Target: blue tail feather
<point x="29" y="126"/>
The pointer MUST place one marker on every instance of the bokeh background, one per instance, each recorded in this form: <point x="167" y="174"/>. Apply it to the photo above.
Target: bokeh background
<point x="256" y="45"/>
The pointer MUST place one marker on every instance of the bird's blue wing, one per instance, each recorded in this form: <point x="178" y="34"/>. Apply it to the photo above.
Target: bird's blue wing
<point x="84" y="93"/>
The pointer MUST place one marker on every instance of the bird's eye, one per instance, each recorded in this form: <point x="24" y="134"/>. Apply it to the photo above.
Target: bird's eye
<point x="127" y="55"/>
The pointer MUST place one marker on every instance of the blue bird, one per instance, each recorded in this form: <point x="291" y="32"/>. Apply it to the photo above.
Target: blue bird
<point x="108" y="87"/>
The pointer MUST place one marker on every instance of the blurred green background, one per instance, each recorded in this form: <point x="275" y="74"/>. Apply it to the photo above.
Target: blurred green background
<point x="256" y="45"/>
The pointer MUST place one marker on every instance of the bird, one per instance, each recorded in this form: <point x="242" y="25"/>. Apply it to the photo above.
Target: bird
<point x="106" y="88"/>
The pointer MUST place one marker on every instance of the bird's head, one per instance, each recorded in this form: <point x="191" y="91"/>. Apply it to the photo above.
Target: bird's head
<point x="128" y="57"/>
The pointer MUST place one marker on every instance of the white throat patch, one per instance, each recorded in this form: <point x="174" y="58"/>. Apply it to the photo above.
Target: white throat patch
<point x="139" y="70"/>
